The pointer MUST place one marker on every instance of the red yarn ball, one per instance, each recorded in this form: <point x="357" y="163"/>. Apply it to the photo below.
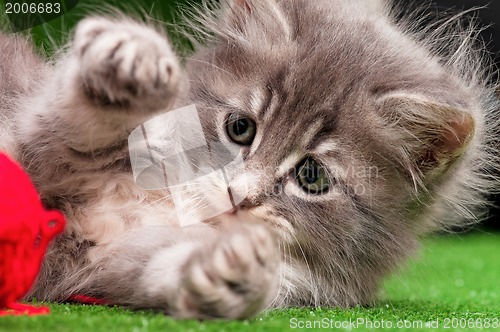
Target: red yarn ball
<point x="26" y="230"/>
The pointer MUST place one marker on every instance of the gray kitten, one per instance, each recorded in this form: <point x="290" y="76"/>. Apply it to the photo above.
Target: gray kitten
<point x="359" y="134"/>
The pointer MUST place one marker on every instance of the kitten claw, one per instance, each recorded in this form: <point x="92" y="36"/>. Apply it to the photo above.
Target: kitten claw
<point x="126" y="64"/>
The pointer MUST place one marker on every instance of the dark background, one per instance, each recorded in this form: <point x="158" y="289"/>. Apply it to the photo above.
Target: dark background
<point x="489" y="17"/>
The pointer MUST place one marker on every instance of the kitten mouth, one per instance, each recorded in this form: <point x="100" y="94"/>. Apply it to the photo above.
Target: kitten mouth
<point x="231" y="198"/>
<point x="234" y="210"/>
<point x="224" y="219"/>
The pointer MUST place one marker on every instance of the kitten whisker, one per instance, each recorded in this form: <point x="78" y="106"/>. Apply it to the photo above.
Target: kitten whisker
<point x="213" y="66"/>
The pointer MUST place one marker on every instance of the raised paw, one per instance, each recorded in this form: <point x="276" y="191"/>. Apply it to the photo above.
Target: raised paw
<point x="235" y="278"/>
<point x="124" y="63"/>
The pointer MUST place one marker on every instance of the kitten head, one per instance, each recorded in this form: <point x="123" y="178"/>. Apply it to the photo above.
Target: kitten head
<point x="356" y="134"/>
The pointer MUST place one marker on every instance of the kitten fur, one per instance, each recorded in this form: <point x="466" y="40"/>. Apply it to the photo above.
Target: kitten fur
<point x="403" y="119"/>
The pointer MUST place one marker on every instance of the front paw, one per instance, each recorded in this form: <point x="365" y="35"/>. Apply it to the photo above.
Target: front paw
<point x="233" y="279"/>
<point x="124" y="63"/>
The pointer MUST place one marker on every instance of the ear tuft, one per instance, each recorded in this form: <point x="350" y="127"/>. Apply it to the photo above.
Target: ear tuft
<point x="244" y="4"/>
<point x="238" y="11"/>
<point x="460" y="131"/>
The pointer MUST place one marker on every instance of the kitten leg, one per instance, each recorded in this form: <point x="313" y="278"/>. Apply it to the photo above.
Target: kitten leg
<point x="202" y="274"/>
<point x="115" y="75"/>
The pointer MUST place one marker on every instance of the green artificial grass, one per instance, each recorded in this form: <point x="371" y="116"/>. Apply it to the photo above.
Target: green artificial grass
<point x="455" y="278"/>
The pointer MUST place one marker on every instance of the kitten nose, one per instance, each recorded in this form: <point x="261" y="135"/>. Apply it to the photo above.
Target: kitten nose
<point x="248" y="203"/>
<point x="247" y="189"/>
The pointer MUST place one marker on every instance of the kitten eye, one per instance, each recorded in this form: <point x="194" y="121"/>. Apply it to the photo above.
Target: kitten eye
<point x="311" y="177"/>
<point x="241" y="129"/>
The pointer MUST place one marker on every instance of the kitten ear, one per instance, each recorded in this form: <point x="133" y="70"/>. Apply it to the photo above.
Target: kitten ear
<point x="434" y="134"/>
